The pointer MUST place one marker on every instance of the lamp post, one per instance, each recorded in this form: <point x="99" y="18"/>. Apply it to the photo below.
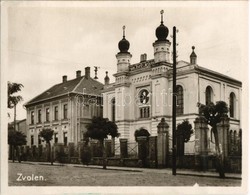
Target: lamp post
<point x="174" y="106"/>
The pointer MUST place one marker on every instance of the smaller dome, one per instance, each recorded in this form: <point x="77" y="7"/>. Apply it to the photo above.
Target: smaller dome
<point x="123" y="45"/>
<point x="193" y="54"/>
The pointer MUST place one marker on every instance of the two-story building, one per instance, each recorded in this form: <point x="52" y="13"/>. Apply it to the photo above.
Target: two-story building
<point x="142" y="93"/>
<point x="65" y="108"/>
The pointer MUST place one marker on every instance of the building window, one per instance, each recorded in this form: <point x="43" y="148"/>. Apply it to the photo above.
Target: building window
<point x="65" y="111"/>
<point x="39" y="140"/>
<point x="113" y="110"/>
<point x="179" y="98"/>
<point x="56" y="113"/>
<point x="39" y="116"/>
<point x="65" y="138"/>
<point x="32" y="140"/>
<point x="209" y="95"/>
<point x="56" y="138"/>
<point x="232" y="102"/>
<point x="145" y="112"/>
<point x="47" y="114"/>
<point x="144" y="108"/>
<point x="32" y="117"/>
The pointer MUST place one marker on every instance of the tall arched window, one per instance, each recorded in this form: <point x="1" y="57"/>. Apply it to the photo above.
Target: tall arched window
<point x="232" y="102"/>
<point x="180" y="102"/>
<point x="209" y="95"/>
<point x="113" y="110"/>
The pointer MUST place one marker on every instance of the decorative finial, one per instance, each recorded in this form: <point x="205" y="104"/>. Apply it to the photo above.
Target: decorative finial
<point x="106" y="73"/>
<point x="124" y="31"/>
<point x="193" y="47"/>
<point x="162" y="11"/>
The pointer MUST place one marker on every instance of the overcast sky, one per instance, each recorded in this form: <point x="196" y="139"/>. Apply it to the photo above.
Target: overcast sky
<point x="47" y="40"/>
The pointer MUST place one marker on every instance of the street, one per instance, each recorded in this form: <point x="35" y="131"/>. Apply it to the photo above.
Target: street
<point x="22" y="174"/>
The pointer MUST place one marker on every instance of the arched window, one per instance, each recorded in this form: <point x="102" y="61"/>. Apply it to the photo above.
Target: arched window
<point x="113" y="110"/>
<point x="209" y="95"/>
<point x="180" y="102"/>
<point x="232" y="102"/>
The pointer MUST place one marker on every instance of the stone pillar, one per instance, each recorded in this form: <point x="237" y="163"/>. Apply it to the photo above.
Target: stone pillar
<point x="123" y="148"/>
<point x="201" y="143"/>
<point x="223" y="131"/>
<point x="162" y="144"/>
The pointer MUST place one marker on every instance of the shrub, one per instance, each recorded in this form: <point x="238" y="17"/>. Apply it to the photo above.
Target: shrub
<point x="86" y="155"/>
<point x="61" y="156"/>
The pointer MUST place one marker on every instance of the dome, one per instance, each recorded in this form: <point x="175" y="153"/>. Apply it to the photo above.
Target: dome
<point x="123" y="45"/>
<point x="162" y="31"/>
<point x="193" y="54"/>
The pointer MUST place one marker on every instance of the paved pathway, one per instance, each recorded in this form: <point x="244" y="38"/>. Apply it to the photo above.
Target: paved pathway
<point x="81" y="175"/>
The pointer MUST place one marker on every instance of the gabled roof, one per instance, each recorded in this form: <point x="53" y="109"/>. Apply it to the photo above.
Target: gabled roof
<point x="77" y="85"/>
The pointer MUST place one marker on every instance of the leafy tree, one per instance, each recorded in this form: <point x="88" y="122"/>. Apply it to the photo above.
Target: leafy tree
<point x="100" y="128"/>
<point x="213" y="114"/>
<point x="47" y="136"/>
<point x="13" y="100"/>
<point x="15" y="139"/>
<point x="141" y="132"/>
<point x="184" y="132"/>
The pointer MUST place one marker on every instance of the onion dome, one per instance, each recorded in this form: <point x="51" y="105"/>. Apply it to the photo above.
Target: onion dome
<point x="162" y="31"/>
<point x="193" y="57"/>
<point x="193" y="54"/>
<point x="123" y="45"/>
<point x="106" y="79"/>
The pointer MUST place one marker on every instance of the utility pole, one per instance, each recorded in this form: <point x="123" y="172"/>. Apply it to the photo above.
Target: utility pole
<point x="174" y="105"/>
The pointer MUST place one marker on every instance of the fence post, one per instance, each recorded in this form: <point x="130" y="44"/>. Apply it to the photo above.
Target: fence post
<point x="123" y="148"/>
<point x="201" y="143"/>
<point x="163" y="143"/>
<point x="223" y="132"/>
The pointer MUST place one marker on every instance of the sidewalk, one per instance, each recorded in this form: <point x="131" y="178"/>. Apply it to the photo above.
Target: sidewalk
<point x="186" y="172"/>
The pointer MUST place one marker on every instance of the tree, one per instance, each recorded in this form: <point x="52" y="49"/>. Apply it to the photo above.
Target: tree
<point x="13" y="100"/>
<point x="47" y="135"/>
<point x="184" y="132"/>
<point x="141" y="132"/>
<point x="213" y="114"/>
<point x="15" y="139"/>
<point x="100" y="128"/>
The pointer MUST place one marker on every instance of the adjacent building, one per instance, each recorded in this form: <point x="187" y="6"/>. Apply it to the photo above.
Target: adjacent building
<point x="142" y="92"/>
<point x="65" y="108"/>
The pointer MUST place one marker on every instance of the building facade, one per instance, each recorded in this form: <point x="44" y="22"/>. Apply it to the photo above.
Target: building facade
<point x="142" y="93"/>
<point x="65" y="108"/>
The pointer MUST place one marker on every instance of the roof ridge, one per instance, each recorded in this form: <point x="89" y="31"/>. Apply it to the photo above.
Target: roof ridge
<point x="83" y="77"/>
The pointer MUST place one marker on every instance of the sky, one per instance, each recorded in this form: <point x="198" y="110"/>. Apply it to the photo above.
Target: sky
<point x="45" y="40"/>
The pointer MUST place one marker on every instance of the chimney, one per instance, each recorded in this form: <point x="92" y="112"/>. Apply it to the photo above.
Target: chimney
<point x="78" y="74"/>
<point x="143" y="57"/>
<point x="87" y="72"/>
<point x="64" y="78"/>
